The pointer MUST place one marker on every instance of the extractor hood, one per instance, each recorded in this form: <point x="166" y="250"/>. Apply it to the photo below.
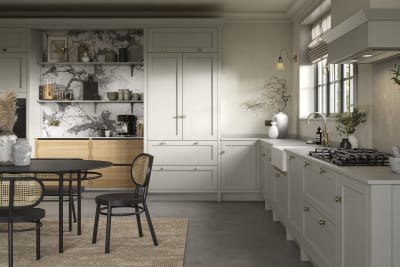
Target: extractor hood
<point x="368" y="36"/>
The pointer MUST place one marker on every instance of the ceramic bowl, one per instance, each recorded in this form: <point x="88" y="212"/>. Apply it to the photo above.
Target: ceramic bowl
<point x="112" y="95"/>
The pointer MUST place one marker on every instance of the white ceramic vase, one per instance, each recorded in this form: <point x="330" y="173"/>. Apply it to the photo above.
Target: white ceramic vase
<point x="353" y="141"/>
<point x="273" y="131"/>
<point x="282" y="121"/>
<point x="6" y="149"/>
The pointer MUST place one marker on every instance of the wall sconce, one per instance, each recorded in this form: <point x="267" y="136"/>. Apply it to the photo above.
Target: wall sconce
<point x="279" y="64"/>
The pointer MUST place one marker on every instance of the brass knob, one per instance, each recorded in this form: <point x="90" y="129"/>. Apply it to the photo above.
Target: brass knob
<point x="162" y="143"/>
<point x="196" y="168"/>
<point x="321" y="171"/>
<point x="222" y="152"/>
<point x="162" y="168"/>
<point x="307" y="209"/>
<point x="195" y="143"/>
<point x="322" y="222"/>
<point x="199" y="49"/>
<point x="338" y="199"/>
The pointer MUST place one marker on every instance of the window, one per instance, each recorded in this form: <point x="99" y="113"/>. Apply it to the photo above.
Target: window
<point x="334" y="87"/>
<point x="333" y="83"/>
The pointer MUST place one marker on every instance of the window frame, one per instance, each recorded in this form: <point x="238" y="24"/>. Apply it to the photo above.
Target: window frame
<point x="323" y="103"/>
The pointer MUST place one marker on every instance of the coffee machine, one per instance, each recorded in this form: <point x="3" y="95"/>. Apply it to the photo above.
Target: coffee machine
<point x="130" y="122"/>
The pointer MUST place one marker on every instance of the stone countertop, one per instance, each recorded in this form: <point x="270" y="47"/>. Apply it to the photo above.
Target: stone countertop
<point x="372" y="175"/>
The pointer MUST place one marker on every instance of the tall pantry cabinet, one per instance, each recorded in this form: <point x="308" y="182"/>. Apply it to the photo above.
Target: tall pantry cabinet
<point x="182" y="113"/>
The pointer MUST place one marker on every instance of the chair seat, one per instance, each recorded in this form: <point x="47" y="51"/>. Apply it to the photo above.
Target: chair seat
<point x="23" y="215"/>
<point x="52" y="190"/>
<point x="119" y="199"/>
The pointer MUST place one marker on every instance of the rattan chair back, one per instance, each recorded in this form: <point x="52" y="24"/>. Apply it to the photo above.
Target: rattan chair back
<point x="141" y="172"/>
<point x="26" y="191"/>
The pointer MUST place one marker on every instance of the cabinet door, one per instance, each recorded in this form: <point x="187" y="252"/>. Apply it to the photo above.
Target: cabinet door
<point x="183" y="179"/>
<point x="280" y="197"/>
<point x="62" y="149"/>
<point x="12" y="39"/>
<point x="182" y="39"/>
<point x="164" y="96"/>
<point x="295" y="180"/>
<point x="199" y="98"/>
<point x="118" y="152"/>
<point x="352" y="223"/>
<point x="319" y="235"/>
<point x="239" y="166"/>
<point x="263" y="169"/>
<point x="13" y="72"/>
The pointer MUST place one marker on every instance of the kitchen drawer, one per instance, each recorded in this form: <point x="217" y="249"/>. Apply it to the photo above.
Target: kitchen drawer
<point x="182" y="39"/>
<point x="183" y="152"/>
<point x="116" y="151"/>
<point x="12" y="39"/>
<point x="319" y="235"/>
<point x="175" y="179"/>
<point x="319" y="187"/>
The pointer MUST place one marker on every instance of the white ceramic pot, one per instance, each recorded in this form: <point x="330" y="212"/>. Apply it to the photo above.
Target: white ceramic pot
<point x="353" y="141"/>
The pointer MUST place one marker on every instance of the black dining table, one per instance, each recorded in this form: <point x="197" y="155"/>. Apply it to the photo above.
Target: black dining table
<point x="60" y="167"/>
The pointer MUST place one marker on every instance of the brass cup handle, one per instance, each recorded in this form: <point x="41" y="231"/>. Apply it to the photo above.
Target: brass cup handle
<point x="195" y="143"/>
<point x="322" y="222"/>
<point x="321" y="171"/>
<point x="162" y="143"/>
<point x="338" y="199"/>
<point x="306" y="164"/>
<point x="306" y="209"/>
<point x="291" y="157"/>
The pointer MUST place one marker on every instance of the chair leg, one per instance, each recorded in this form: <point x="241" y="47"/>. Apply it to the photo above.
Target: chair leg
<point x="73" y="208"/>
<point x="108" y="229"/>
<point x="10" y="243"/>
<point x="153" y="234"/>
<point x="70" y="211"/>
<point x="38" y="240"/>
<point x="139" y="223"/>
<point x="96" y="223"/>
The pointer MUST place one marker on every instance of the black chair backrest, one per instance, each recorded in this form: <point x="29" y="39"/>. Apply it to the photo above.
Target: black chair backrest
<point x="141" y="172"/>
<point x="20" y="191"/>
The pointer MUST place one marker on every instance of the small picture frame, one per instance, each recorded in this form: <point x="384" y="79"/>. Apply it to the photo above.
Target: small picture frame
<point x="57" y="48"/>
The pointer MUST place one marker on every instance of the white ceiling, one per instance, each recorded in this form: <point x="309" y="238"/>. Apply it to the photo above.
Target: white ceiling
<point x="277" y="8"/>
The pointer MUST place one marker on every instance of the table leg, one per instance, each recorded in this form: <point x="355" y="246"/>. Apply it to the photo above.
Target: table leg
<point x="60" y="213"/>
<point x="79" y="202"/>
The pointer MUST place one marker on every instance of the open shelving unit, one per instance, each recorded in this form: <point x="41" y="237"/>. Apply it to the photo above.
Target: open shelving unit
<point x="95" y="102"/>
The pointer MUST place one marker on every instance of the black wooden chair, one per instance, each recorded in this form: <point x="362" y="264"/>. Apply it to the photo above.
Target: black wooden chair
<point x="105" y="204"/>
<point x="18" y="197"/>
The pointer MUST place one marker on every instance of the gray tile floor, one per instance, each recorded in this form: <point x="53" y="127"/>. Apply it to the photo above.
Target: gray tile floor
<point x="222" y="234"/>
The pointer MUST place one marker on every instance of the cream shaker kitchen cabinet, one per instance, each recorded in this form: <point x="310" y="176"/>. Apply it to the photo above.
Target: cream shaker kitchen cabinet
<point x="182" y="94"/>
<point x="12" y="39"/>
<point x="13" y="73"/>
<point x="280" y="195"/>
<point x="182" y="39"/>
<point x="352" y="223"/>
<point x="295" y="181"/>
<point x="239" y="166"/>
<point x="264" y="169"/>
<point x="335" y="218"/>
<point x="184" y="166"/>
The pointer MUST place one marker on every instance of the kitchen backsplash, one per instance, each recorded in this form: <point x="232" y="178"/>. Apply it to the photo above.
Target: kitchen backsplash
<point x="86" y="119"/>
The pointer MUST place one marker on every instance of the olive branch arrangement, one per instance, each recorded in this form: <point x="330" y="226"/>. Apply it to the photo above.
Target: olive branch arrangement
<point x="347" y="122"/>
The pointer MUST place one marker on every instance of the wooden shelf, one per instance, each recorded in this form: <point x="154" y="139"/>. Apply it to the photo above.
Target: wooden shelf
<point x="92" y="63"/>
<point x="95" y="102"/>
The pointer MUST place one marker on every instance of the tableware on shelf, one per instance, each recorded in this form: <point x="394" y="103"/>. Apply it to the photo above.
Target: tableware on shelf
<point x="112" y="95"/>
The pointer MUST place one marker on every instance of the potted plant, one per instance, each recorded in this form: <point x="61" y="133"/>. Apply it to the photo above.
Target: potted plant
<point x="8" y="117"/>
<point x="346" y="124"/>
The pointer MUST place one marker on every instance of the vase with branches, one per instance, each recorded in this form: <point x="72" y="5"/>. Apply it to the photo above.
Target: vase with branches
<point x="8" y="118"/>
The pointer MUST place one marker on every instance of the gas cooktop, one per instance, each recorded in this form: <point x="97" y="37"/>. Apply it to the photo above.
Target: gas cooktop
<point x="351" y="157"/>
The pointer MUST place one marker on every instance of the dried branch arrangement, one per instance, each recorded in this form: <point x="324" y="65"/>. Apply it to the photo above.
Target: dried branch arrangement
<point x="274" y="97"/>
<point x="8" y="115"/>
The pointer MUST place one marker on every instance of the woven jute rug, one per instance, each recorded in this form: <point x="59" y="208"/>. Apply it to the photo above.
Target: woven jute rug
<point x="126" y="248"/>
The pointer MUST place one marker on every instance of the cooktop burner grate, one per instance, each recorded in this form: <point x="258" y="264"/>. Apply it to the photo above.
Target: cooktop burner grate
<point x="351" y="157"/>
